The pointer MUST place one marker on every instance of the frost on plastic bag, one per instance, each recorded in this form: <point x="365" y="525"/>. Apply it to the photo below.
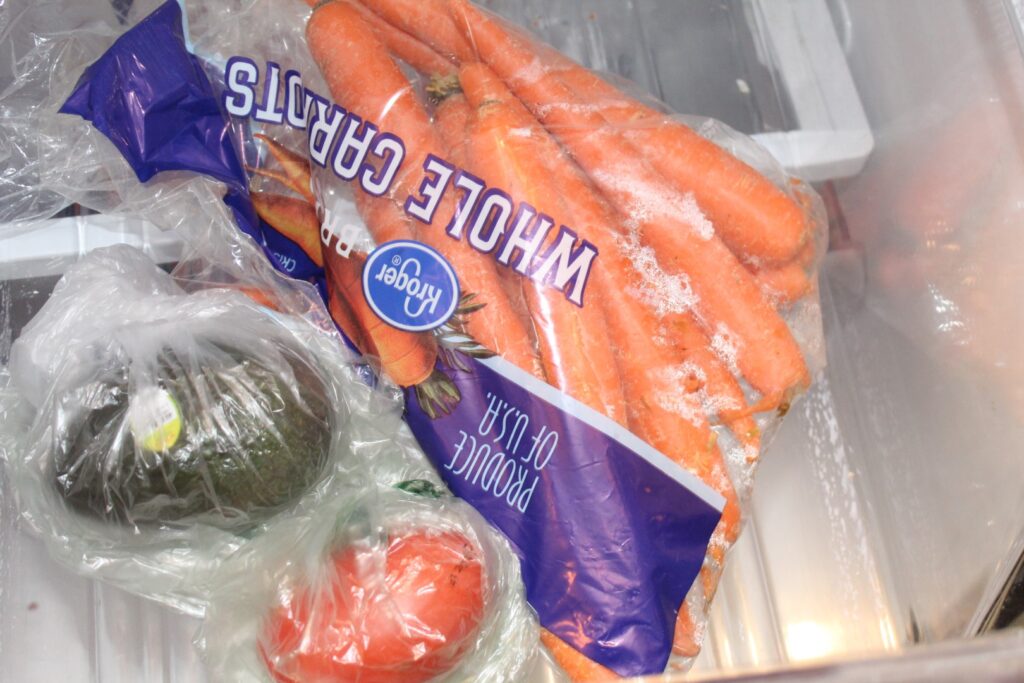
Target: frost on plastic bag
<point x="168" y="426"/>
<point x="401" y="588"/>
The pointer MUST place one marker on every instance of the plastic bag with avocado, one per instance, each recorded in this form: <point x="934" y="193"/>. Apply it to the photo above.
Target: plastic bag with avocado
<point x="170" y="427"/>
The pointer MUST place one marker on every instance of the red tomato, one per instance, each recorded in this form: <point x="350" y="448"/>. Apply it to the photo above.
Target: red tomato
<point x="407" y="626"/>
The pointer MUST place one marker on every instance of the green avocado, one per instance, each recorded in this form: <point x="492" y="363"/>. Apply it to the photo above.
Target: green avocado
<point x="225" y="438"/>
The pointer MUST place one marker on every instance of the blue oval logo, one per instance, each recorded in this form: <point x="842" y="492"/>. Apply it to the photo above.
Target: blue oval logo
<point x="410" y="286"/>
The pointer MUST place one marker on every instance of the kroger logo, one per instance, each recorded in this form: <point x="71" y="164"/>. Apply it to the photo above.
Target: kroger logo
<point x="410" y="286"/>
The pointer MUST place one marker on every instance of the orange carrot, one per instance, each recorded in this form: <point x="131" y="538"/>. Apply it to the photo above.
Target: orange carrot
<point x="721" y="388"/>
<point x="278" y="176"/>
<point x="729" y="302"/>
<point x="410" y="50"/>
<point x="688" y="639"/>
<point x="574" y="663"/>
<point x="345" y="318"/>
<point x="262" y="297"/>
<point x="384" y="218"/>
<point x="296" y="168"/>
<point x="427" y="21"/>
<point x="363" y="78"/>
<point x="453" y="118"/>
<point x="785" y="284"/>
<point x="293" y="218"/>
<point x="576" y="348"/>
<point x="407" y="358"/>
<point x="791" y="281"/>
<point x="686" y="642"/>
<point x="645" y="364"/>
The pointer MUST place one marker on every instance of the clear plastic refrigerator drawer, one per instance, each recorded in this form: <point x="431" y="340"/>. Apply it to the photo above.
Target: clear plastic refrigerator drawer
<point x="886" y="533"/>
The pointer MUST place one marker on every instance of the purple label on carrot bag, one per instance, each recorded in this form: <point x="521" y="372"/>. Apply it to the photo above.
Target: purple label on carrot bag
<point x="610" y="533"/>
<point x="154" y="101"/>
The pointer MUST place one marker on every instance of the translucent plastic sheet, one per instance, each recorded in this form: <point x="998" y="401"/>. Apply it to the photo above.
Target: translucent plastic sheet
<point x="197" y="448"/>
<point x="698" y="329"/>
<point x="416" y="592"/>
<point x="166" y="428"/>
<point x="158" y="427"/>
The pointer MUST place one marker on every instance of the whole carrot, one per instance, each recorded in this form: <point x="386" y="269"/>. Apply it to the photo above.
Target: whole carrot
<point x="722" y="391"/>
<point x="409" y="49"/>
<point x="408" y="358"/>
<point x="296" y="168"/>
<point x="728" y="301"/>
<point x="384" y="218"/>
<point x="345" y="318"/>
<point x="785" y="284"/>
<point x="454" y="121"/>
<point x="293" y="218"/>
<point x="363" y="78"/>
<point x="427" y="21"/>
<point x="453" y="117"/>
<point x="575" y="346"/>
<point x="790" y="282"/>
<point x="576" y="665"/>
<point x="261" y="296"/>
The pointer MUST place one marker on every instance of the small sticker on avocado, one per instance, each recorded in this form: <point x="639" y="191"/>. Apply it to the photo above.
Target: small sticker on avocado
<point x="154" y="419"/>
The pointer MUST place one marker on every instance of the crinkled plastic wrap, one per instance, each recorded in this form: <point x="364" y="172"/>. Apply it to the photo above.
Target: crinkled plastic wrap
<point x="201" y="448"/>
<point x="695" y="325"/>
<point x="639" y="286"/>
<point x="172" y="433"/>
<point x="407" y="586"/>
<point x="169" y="427"/>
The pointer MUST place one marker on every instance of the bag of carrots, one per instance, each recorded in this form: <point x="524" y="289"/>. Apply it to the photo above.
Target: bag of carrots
<point x="598" y="312"/>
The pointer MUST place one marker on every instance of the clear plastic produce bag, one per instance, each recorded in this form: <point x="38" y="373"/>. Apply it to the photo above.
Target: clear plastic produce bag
<point x="169" y="428"/>
<point x="410" y="585"/>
